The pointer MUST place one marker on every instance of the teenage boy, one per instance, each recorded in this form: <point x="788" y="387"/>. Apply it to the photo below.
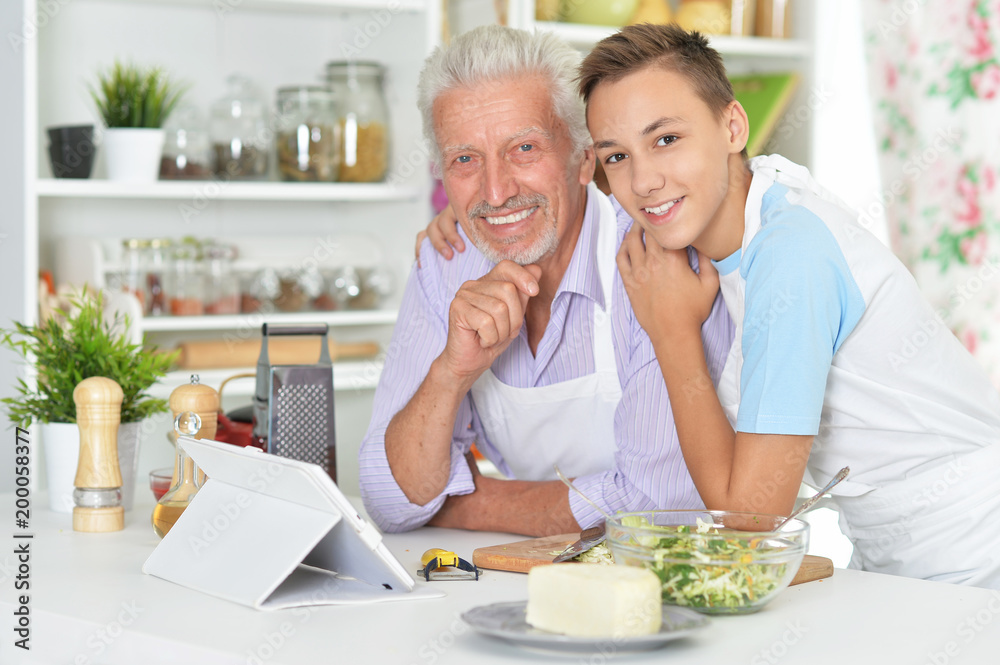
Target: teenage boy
<point x="822" y="373"/>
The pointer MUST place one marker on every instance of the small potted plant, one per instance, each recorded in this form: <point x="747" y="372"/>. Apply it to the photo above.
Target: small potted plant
<point x="77" y="343"/>
<point x="134" y="102"/>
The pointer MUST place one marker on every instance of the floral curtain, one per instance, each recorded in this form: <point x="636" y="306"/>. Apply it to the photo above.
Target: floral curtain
<point x="934" y="73"/>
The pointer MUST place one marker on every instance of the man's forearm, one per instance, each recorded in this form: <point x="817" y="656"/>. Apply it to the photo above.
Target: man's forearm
<point x="532" y="508"/>
<point x="418" y="438"/>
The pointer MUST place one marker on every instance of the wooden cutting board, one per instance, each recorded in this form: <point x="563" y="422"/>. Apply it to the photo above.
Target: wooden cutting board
<point x="523" y="555"/>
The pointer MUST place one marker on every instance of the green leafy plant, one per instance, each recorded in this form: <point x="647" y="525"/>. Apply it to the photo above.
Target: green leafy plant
<point x="76" y="345"/>
<point x="132" y="96"/>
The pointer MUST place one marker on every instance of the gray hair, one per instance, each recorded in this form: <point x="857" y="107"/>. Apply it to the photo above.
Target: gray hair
<point x="495" y="53"/>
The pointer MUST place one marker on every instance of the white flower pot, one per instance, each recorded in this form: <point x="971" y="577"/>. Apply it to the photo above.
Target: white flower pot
<point x="61" y="444"/>
<point x="133" y="155"/>
<point x="129" y="438"/>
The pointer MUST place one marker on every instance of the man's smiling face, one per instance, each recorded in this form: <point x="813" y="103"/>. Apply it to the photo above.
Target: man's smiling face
<point x="510" y="170"/>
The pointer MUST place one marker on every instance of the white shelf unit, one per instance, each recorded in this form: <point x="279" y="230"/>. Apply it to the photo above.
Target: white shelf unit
<point x="226" y="191"/>
<point x="585" y="36"/>
<point x="200" y="42"/>
<point x="742" y="55"/>
<point x="374" y="317"/>
<point x="348" y="375"/>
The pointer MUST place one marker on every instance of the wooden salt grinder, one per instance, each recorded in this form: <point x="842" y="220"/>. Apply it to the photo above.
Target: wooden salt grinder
<point x="98" y="412"/>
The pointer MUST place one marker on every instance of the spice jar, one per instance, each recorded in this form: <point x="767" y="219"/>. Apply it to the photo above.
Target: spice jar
<point x="774" y="19"/>
<point x="239" y="132"/>
<point x="261" y="291"/>
<point x="375" y="285"/>
<point x="187" y="288"/>
<point x="222" y="288"/>
<point x="186" y="150"/>
<point x="307" y="140"/>
<point x="157" y="263"/>
<point x="298" y="289"/>
<point x="364" y="120"/>
<point x="133" y="272"/>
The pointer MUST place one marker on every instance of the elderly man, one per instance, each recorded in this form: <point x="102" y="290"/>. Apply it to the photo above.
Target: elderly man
<point x="525" y="344"/>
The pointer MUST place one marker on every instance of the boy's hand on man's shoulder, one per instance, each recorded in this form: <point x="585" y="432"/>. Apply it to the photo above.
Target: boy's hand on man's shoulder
<point x="443" y="234"/>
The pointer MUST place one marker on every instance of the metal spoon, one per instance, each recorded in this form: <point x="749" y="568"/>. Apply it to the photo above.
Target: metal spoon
<point x="811" y="501"/>
<point x="569" y="484"/>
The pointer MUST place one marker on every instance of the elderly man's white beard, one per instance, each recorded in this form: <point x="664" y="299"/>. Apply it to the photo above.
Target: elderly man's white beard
<point x="545" y="245"/>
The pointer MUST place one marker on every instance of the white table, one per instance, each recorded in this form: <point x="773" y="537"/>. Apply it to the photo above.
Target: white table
<point x="90" y="603"/>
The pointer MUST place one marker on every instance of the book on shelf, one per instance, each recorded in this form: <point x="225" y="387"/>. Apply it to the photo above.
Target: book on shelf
<point x="765" y="98"/>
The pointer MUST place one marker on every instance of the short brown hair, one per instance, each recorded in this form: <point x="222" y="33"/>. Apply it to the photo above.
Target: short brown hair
<point x="669" y="46"/>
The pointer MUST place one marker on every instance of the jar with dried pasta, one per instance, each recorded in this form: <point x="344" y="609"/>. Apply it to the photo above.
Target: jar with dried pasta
<point x="364" y="120"/>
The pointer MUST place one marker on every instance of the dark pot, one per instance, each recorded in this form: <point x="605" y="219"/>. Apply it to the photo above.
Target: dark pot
<point x="71" y="150"/>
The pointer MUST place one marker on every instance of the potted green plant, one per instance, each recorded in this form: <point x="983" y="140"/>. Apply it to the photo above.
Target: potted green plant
<point x="77" y="343"/>
<point x="134" y="102"/>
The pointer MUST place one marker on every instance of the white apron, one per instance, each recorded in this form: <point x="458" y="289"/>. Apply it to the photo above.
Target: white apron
<point x="939" y="525"/>
<point x="570" y="423"/>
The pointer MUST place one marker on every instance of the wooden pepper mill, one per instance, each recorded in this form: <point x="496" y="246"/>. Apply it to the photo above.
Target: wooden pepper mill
<point x="200" y="399"/>
<point x="98" y="480"/>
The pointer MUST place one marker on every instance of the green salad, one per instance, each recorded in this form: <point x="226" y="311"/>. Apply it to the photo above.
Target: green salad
<point x="707" y="569"/>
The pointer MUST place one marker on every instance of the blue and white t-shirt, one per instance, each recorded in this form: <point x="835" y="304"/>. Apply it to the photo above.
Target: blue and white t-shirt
<point x="834" y="339"/>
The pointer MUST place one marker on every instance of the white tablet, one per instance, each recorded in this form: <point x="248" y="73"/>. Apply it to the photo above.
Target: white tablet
<point x="269" y="531"/>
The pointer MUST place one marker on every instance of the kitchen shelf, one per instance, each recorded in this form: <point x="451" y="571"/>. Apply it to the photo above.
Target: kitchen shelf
<point x="347" y="375"/>
<point x="196" y="190"/>
<point x="222" y="6"/>
<point x="587" y="35"/>
<point x="360" y="317"/>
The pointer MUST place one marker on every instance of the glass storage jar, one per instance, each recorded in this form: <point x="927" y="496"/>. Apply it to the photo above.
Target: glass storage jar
<point x="187" y="287"/>
<point x="132" y="278"/>
<point x="222" y="287"/>
<point x="261" y="292"/>
<point x="364" y="120"/>
<point x="187" y="153"/>
<point x="157" y="262"/>
<point x="240" y="137"/>
<point x="308" y="136"/>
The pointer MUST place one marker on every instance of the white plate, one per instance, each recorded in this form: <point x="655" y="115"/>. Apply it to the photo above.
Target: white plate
<point x="506" y="621"/>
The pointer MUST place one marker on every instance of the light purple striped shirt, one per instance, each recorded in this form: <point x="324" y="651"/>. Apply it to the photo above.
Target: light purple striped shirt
<point x="649" y="469"/>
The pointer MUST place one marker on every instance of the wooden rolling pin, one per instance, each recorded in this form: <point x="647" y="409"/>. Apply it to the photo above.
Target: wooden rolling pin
<point x="281" y="351"/>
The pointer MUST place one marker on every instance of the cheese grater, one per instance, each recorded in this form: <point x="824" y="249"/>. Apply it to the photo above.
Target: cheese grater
<point x="293" y="404"/>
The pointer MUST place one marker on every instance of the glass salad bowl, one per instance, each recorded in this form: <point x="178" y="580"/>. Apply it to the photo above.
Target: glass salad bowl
<point x="715" y="562"/>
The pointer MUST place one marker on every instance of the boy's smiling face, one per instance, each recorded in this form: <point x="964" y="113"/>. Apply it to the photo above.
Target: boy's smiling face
<point x="672" y="162"/>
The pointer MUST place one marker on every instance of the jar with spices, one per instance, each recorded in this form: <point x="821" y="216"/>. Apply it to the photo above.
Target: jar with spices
<point x="298" y="289"/>
<point x="364" y="120"/>
<point x="133" y="273"/>
<point x="307" y="141"/>
<point x="240" y="137"/>
<point x="186" y="151"/>
<point x="187" y="286"/>
<point x="261" y="291"/>
<point x="222" y="288"/>
<point x="157" y="262"/>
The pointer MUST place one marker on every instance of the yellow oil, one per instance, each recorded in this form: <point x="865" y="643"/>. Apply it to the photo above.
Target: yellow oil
<point x="165" y="515"/>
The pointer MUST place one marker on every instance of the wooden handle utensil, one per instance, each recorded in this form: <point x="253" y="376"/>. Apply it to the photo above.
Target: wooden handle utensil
<point x="282" y="351"/>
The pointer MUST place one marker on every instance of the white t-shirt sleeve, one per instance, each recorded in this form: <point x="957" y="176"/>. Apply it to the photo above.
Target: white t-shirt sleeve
<point x="801" y="303"/>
